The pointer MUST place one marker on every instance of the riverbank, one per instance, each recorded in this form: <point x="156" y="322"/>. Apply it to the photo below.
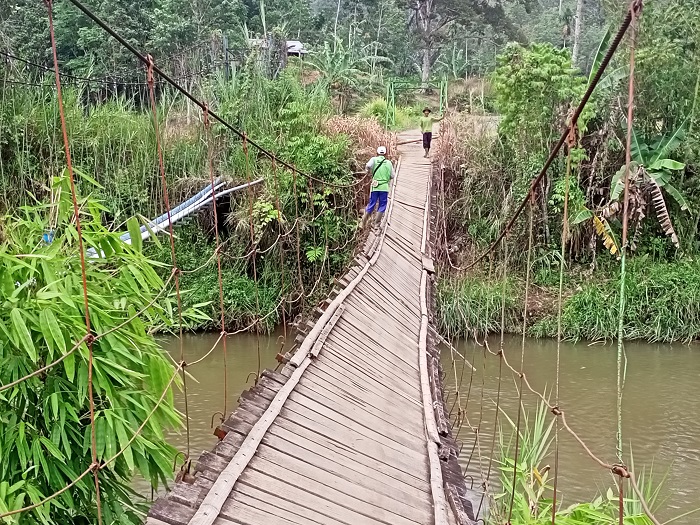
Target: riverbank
<point x="662" y="303"/>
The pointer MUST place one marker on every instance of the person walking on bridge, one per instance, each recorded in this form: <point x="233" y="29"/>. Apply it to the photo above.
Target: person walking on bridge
<point x="426" y="127"/>
<point x="382" y="171"/>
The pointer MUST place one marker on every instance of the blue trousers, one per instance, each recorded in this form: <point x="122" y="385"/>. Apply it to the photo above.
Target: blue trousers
<point x="375" y="197"/>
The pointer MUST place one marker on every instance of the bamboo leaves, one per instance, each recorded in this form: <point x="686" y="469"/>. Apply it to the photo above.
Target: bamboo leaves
<point x="134" y="233"/>
<point x="46" y="437"/>
<point x="21" y="334"/>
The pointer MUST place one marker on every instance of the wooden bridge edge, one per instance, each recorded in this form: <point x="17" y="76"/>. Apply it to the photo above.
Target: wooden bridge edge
<point x="454" y="483"/>
<point x="192" y="484"/>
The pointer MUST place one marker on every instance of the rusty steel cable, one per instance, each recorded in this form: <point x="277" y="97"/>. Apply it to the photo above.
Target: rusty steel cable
<point x="626" y="22"/>
<point x="635" y="10"/>
<point x="296" y="221"/>
<point x="222" y="310"/>
<point x="281" y="248"/>
<point x="107" y="80"/>
<point x="150" y="79"/>
<point x="83" y="266"/>
<point x="560" y="301"/>
<point x="619" y="470"/>
<point x="528" y="271"/>
<point x="501" y="358"/>
<point x="635" y="7"/>
<point x="251" y="198"/>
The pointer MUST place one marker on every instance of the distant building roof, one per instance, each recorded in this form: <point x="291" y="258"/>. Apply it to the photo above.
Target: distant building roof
<point x="294" y="47"/>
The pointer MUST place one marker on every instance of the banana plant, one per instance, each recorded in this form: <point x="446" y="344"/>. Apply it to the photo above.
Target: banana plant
<point x="651" y="170"/>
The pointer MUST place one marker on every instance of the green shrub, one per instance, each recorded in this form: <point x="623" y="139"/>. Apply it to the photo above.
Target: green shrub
<point x="46" y="428"/>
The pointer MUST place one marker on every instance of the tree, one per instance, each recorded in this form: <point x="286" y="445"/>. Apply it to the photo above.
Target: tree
<point x="430" y="20"/>
<point x="578" y="24"/>
<point x="46" y="438"/>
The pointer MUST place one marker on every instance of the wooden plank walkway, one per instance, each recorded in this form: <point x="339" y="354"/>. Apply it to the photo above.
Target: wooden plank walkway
<point x="352" y="431"/>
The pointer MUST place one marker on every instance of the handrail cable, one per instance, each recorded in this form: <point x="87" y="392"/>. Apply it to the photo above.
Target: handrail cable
<point x="572" y="142"/>
<point x="83" y="264"/>
<point x="526" y="300"/>
<point x="150" y="79"/>
<point x="219" y="276"/>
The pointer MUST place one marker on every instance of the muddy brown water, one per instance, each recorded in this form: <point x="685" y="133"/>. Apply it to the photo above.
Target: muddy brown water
<point x="660" y="425"/>
<point x="660" y="421"/>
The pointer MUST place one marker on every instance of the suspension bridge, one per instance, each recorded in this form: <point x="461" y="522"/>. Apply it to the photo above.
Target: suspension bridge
<point x="354" y="429"/>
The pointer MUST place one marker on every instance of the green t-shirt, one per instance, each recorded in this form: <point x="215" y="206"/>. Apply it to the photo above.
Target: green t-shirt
<point x="381" y="175"/>
<point x="426" y="124"/>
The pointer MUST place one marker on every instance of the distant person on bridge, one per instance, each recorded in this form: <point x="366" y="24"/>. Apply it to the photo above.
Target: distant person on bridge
<point x="426" y="127"/>
<point x="382" y="171"/>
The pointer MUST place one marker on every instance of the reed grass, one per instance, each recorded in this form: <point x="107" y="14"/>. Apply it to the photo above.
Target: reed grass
<point x="473" y="305"/>
<point x="662" y="304"/>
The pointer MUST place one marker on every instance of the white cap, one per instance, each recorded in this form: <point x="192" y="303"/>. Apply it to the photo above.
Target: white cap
<point x="381" y="150"/>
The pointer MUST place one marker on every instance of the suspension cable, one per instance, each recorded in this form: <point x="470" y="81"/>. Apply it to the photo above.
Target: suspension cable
<point x="281" y="248"/>
<point x="501" y="359"/>
<point x="83" y="267"/>
<point x="222" y="310"/>
<point x="564" y="238"/>
<point x="251" y="198"/>
<point x="150" y="79"/>
<point x="528" y="271"/>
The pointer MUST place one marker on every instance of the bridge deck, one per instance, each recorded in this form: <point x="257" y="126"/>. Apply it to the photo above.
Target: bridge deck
<point x="342" y="435"/>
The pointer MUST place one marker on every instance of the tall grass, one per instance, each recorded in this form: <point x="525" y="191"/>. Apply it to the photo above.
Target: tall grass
<point x="473" y="305"/>
<point x="529" y="481"/>
<point x="662" y="304"/>
<point x="114" y="142"/>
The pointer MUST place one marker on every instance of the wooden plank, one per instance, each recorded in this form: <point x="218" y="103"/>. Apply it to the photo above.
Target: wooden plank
<point x="381" y="406"/>
<point x="392" y="352"/>
<point x="355" y="360"/>
<point x="333" y="400"/>
<point x="342" y="463"/>
<point x="377" y="394"/>
<point x="357" y="422"/>
<point x="357" y="437"/>
<point x="214" y="500"/>
<point x="369" y="452"/>
<point x="406" y="503"/>
<point x="263" y="473"/>
<point x="316" y="348"/>
<point x="295" y="500"/>
<point x="248" y="510"/>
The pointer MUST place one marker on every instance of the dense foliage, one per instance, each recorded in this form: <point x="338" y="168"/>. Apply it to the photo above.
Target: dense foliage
<point x="536" y="88"/>
<point x="46" y="439"/>
<point x="407" y="38"/>
<point x="115" y="142"/>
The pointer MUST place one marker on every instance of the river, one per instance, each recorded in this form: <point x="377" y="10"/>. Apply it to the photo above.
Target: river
<point x="660" y="421"/>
